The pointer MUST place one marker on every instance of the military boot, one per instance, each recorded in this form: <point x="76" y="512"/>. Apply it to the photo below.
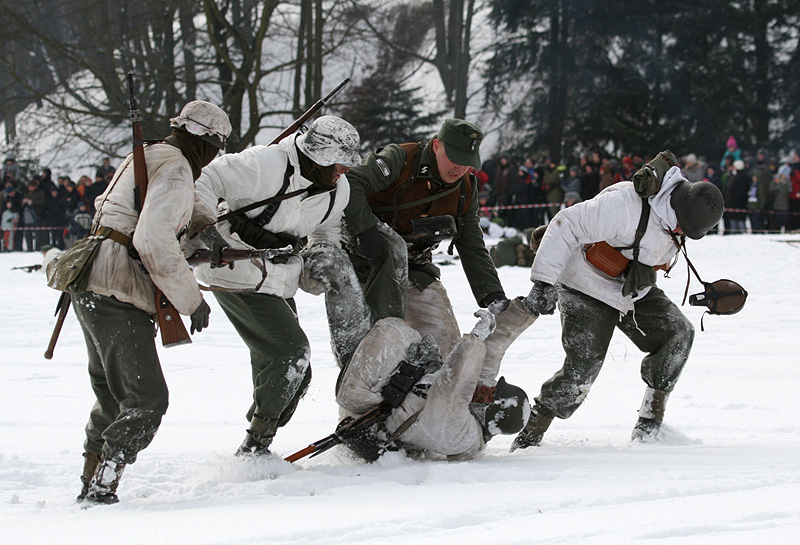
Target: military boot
<point x="651" y="415"/>
<point x="90" y="462"/>
<point x="104" y="483"/>
<point x="259" y="436"/>
<point x="531" y="435"/>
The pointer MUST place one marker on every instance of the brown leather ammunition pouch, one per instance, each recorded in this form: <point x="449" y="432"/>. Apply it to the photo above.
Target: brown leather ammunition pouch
<point x="606" y="259"/>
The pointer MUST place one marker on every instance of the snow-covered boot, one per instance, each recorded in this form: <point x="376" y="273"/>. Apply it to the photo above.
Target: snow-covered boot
<point x="531" y="435"/>
<point x="104" y="484"/>
<point x="90" y="462"/>
<point x="651" y="415"/>
<point x="259" y="436"/>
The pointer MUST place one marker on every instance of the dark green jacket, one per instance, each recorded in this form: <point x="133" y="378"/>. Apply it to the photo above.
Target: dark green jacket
<point x="381" y="170"/>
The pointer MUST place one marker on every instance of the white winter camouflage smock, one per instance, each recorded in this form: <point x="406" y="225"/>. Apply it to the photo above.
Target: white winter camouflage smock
<point x="169" y="207"/>
<point x="444" y="424"/>
<point x="612" y="216"/>
<point x="256" y="174"/>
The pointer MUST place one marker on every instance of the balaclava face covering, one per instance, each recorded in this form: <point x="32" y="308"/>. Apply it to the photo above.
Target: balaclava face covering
<point x="321" y="177"/>
<point x="196" y="150"/>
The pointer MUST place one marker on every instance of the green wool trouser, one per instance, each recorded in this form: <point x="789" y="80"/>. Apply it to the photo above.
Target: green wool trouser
<point x="279" y="350"/>
<point x="125" y="374"/>
<point x="656" y="326"/>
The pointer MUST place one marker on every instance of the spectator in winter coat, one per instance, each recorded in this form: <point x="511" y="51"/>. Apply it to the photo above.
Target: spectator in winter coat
<point x="736" y="195"/>
<point x="759" y="198"/>
<point x="104" y="169"/>
<point x="781" y="185"/>
<point x="116" y="310"/>
<point x="258" y="298"/>
<point x="80" y="223"/>
<point x="592" y="303"/>
<point x="794" y="192"/>
<point x="8" y="223"/>
<point x="10" y="168"/>
<point x="731" y="150"/>
<point x="693" y="170"/>
<point x="571" y="185"/>
<point x="55" y="217"/>
<point x="554" y="194"/>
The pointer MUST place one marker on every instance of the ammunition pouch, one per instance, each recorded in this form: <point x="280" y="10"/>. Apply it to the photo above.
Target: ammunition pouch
<point x="606" y="259"/>
<point x="404" y="379"/>
<point x="258" y="237"/>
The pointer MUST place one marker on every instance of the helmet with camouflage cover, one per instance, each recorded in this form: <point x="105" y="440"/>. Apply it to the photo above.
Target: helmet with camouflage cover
<point x="331" y="140"/>
<point x="509" y="412"/>
<point x="204" y="120"/>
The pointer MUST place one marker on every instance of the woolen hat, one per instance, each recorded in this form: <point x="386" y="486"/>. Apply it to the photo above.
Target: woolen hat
<point x="462" y="142"/>
<point x="698" y="207"/>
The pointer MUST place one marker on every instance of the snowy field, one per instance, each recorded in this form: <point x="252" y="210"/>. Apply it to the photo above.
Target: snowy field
<point x="729" y="472"/>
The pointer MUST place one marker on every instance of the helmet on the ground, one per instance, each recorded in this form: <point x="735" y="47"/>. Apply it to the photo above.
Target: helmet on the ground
<point x="331" y="140"/>
<point x="510" y="410"/>
<point x="204" y="120"/>
<point x="698" y="206"/>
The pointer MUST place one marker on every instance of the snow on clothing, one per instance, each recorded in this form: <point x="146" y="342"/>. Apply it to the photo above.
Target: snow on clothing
<point x="169" y="208"/>
<point x="267" y="319"/>
<point x="386" y="290"/>
<point x="115" y="313"/>
<point x="612" y="216"/>
<point x="591" y="304"/>
<point x="255" y="174"/>
<point x="445" y="424"/>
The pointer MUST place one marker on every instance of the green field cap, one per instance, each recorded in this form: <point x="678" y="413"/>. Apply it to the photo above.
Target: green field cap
<point x="462" y="141"/>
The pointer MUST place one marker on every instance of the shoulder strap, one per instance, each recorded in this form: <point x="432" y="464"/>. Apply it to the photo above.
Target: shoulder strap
<point x="429" y="198"/>
<point x="644" y="218"/>
<point x="274" y="199"/>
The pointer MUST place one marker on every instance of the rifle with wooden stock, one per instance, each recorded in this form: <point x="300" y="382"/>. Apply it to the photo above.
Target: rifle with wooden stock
<point x="173" y="332"/>
<point x="291" y="129"/>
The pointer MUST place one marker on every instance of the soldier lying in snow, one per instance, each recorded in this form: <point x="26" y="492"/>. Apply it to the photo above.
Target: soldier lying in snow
<point x="450" y="407"/>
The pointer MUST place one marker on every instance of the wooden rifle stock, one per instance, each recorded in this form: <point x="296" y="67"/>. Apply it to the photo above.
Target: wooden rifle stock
<point x="291" y="129"/>
<point x="61" y="310"/>
<point x="343" y="432"/>
<point x="173" y="332"/>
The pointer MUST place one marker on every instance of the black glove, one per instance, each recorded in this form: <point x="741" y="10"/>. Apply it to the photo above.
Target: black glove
<point x="200" y="317"/>
<point x="211" y="238"/>
<point x="372" y="246"/>
<point x="542" y="298"/>
<point x="496" y="302"/>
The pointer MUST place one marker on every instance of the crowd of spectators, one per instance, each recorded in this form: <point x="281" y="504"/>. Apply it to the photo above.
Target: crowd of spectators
<point x="762" y="193"/>
<point x="38" y="212"/>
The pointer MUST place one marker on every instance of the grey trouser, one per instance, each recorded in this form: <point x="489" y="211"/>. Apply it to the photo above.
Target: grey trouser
<point x="279" y="350"/>
<point x="656" y="326"/>
<point x="126" y="376"/>
<point x="430" y="312"/>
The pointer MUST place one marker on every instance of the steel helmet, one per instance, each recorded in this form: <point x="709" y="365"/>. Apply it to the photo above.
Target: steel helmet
<point x="510" y="410"/>
<point x="205" y="120"/>
<point x="698" y="206"/>
<point x="331" y="140"/>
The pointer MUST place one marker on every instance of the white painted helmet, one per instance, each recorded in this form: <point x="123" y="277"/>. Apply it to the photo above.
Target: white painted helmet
<point x="205" y="120"/>
<point x="330" y="140"/>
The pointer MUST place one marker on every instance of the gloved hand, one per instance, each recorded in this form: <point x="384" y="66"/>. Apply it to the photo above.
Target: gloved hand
<point x="485" y="326"/>
<point x="372" y="246"/>
<point x="496" y="302"/>
<point x="542" y="298"/>
<point x="211" y="238"/>
<point x="200" y="317"/>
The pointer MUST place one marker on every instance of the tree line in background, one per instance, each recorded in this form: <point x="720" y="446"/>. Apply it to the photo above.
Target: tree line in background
<point x="554" y="77"/>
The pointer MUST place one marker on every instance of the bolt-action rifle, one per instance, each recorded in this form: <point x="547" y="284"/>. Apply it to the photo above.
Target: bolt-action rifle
<point x="173" y="332"/>
<point x="229" y="255"/>
<point x="346" y="430"/>
<point x="291" y="129"/>
<point x="27" y="268"/>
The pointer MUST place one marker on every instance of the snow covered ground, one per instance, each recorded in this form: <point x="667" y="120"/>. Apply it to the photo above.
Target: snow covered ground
<point x="728" y="473"/>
